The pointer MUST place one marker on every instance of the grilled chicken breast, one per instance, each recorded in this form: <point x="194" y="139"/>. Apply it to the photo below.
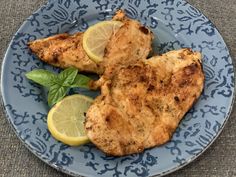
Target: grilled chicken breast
<point x="141" y="104"/>
<point x="130" y="43"/>
<point x="64" y="50"/>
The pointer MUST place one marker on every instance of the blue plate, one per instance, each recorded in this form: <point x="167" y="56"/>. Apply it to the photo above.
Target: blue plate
<point x="176" y="24"/>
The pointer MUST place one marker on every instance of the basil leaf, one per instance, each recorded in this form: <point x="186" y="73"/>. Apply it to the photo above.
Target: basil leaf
<point x="67" y="77"/>
<point x="41" y="76"/>
<point x="81" y="81"/>
<point x="59" y="84"/>
<point x="56" y="93"/>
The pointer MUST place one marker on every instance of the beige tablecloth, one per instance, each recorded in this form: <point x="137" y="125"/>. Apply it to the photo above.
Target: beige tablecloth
<point x="218" y="161"/>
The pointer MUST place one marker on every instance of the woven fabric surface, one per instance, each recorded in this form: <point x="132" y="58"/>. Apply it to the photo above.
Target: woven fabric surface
<point x="217" y="161"/>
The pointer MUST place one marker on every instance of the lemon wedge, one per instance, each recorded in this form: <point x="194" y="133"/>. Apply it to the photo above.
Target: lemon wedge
<point x="96" y="37"/>
<point x="66" y="119"/>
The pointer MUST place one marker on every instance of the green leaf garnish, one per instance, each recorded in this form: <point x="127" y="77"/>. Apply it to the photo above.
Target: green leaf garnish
<point x="67" y="77"/>
<point x="58" y="84"/>
<point x="56" y="93"/>
<point x="81" y="81"/>
<point x="42" y="77"/>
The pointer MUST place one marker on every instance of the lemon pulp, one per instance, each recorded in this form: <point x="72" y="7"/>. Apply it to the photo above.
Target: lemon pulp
<point x="96" y="38"/>
<point x="66" y="119"/>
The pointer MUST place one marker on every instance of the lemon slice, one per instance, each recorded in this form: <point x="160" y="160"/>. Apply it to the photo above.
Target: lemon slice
<point x="96" y="37"/>
<point x="66" y="119"/>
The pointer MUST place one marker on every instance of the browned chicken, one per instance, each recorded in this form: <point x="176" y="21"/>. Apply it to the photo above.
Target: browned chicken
<point x="130" y="43"/>
<point x="64" y="50"/>
<point x="126" y="45"/>
<point x="142" y="101"/>
<point x="141" y="104"/>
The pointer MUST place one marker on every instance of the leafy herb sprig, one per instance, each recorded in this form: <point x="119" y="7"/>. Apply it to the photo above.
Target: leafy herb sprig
<point x="58" y="84"/>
